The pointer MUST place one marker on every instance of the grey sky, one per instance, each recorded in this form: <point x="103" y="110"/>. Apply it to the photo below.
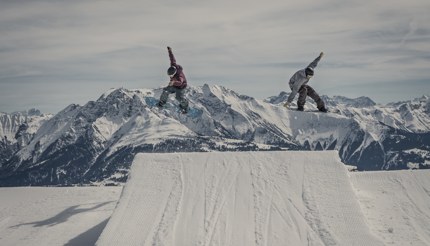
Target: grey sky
<point x="54" y="53"/>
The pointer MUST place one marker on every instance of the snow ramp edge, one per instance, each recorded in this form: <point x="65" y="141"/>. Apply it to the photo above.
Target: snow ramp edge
<point x="238" y="198"/>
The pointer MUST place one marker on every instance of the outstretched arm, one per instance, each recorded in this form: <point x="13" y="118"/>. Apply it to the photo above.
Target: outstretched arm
<point x="315" y="62"/>
<point x="171" y="56"/>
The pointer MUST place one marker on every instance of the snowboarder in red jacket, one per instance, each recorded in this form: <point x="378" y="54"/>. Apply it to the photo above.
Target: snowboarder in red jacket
<point x="177" y="84"/>
<point x="299" y="84"/>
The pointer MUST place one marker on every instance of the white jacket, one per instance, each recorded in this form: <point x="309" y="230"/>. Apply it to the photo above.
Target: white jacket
<point x="300" y="78"/>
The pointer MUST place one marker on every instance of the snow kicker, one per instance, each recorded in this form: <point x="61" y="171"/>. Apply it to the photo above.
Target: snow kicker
<point x="240" y="198"/>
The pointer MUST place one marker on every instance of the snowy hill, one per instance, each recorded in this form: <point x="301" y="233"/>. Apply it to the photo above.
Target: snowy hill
<point x="97" y="142"/>
<point x="267" y="198"/>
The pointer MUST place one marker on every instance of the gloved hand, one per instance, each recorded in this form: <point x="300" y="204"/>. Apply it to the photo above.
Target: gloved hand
<point x="168" y="48"/>
<point x="287" y="105"/>
<point x="321" y="54"/>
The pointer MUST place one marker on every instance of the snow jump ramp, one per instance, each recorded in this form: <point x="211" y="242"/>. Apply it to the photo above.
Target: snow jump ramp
<point x="238" y="198"/>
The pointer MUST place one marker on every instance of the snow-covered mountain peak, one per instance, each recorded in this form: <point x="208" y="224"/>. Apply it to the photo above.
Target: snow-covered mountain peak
<point x="413" y="114"/>
<point x="17" y="129"/>
<point x="282" y="97"/>
<point x="116" y="94"/>
<point x="356" y="102"/>
<point x="222" y="92"/>
<point x="97" y="141"/>
<point x="17" y="124"/>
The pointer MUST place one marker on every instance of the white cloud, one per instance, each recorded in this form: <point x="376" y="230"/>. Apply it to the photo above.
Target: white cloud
<point x="241" y="44"/>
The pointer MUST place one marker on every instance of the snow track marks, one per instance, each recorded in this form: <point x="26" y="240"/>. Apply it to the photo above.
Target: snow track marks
<point x="241" y="198"/>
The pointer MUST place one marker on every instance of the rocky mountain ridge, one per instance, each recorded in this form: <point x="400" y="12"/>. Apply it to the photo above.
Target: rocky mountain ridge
<point x="95" y="143"/>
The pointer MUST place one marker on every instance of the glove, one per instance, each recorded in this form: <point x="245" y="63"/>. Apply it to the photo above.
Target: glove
<point x="287" y="105"/>
<point x="168" y="48"/>
<point x="321" y="54"/>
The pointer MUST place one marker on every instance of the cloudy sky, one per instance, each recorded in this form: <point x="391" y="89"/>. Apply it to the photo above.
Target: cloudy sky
<point x="54" y="53"/>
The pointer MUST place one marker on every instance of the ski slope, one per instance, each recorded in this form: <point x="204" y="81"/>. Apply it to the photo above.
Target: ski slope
<point x="240" y="198"/>
<point x="396" y="205"/>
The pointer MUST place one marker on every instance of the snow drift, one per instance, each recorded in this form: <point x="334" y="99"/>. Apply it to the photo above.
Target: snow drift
<point x="240" y="198"/>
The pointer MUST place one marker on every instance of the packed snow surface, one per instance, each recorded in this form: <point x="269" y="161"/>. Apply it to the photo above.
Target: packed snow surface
<point x="240" y="198"/>
<point x="73" y="216"/>
<point x="396" y="205"/>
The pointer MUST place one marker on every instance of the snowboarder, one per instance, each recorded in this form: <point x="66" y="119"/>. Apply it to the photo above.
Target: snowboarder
<point x="298" y="83"/>
<point x="177" y="84"/>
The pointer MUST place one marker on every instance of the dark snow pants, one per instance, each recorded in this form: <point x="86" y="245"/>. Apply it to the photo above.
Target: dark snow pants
<point x="305" y="91"/>
<point x="183" y="103"/>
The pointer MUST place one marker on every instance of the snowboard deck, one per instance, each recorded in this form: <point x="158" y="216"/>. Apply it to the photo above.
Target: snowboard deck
<point x="172" y="107"/>
<point x="334" y="111"/>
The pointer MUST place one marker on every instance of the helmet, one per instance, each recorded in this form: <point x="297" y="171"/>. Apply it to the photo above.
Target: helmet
<point x="309" y="71"/>
<point x="171" y="71"/>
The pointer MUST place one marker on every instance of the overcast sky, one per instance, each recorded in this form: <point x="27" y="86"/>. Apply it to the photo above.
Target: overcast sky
<point x="54" y="53"/>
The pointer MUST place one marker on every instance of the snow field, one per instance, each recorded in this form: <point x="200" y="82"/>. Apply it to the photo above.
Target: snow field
<point x="396" y="205"/>
<point x="246" y="198"/>
<point x="240" y="198"/>
<point x="55" y="216"/>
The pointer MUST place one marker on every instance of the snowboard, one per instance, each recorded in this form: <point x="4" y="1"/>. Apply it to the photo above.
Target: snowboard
<point x="334" y="111"/>
<point x="172" y="107"/>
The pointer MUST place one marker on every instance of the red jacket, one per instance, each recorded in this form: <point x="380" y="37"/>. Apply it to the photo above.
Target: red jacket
<point x="179" y="80"/>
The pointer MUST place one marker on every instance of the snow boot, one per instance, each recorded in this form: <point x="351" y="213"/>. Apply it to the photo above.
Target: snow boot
<point x="323" y="109"/>
<point x="160" y="104"/>
<point x="184" y="110"/>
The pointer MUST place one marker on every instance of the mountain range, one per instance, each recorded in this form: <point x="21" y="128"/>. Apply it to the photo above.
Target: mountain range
<point x="96" y="143"/>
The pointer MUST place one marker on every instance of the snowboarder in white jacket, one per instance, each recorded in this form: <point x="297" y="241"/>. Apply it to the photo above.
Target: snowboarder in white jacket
<point x="299" y="84"/>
